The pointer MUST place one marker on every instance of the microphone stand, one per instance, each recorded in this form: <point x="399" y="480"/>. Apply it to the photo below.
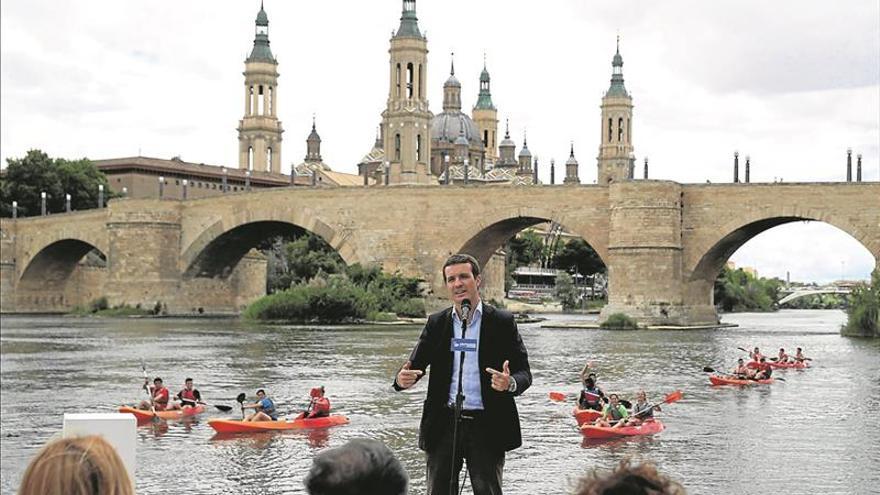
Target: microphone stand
<point x="456" y="413"/>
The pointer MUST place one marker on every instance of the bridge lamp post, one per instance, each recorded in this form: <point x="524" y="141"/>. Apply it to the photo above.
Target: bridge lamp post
<point x="748" y="167"/>
<point x="67" y="203"/>
<point x="225" y="174"/>
<point x="736" y="167"/>
<point x="646" y="168"/>
<point x="859" y="167"/>
<point x="185" y="184"/>
<point x="247" y="180"/>
<point x="124" y="191"/>
<point x="535" y="173"/>
<point x="387" y="172"/>
<point x="466" y="171"/>
<point x="849" y="164"/>
<point x="447" y="180"/>
<point x="15" y="209"/>
<point x="161" y="187"/>
<point x="43" y="203"/>
<point x="101" y="194"/>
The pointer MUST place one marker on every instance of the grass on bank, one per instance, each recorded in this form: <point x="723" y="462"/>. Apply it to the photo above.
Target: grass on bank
<point x="619" y="321"/>
<point x="100" y="307"/>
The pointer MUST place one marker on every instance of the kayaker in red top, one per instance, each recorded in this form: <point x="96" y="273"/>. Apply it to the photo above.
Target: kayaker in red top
<point x="591" y="395"/>
<point x="764" y="370"/>
<point x="320" y="405"/>
<point x="741" y="370"/>
<point x="756" y="355"/>
<point x="782" y="357"/>
<point x="189" y="397"/>
<point x="159" y="394"/>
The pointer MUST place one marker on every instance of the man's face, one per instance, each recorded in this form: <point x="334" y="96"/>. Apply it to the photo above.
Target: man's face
<point x="461" y="283"/>
<point x="188" y="384"/>
<point x="157" y="383"/>
<point x="260" y="395"/>
<point x="613" y="399"/>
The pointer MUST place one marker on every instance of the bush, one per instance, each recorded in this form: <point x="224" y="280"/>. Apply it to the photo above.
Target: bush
<point x="863" y="314"/>
<point x="381" y="316"/>
<point x="619" y="321"/>
<point x="337" y="301"/>
<point x="98" y="304"/>
<point x="413" y="307"/>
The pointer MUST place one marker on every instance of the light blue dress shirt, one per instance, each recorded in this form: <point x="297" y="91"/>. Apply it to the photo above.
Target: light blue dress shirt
<point x="473" y="398"/>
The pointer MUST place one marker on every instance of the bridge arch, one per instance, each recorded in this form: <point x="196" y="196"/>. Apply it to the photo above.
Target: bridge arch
<point x="705" y="261"/>
<point x="217" y="251"/>
<point x="43" y="282"/>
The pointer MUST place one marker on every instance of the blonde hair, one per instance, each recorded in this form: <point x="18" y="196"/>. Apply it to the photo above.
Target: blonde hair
<point x="76" y="466"/>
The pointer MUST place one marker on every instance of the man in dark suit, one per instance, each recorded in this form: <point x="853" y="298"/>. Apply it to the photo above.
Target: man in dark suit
<point x="493" y="373"/>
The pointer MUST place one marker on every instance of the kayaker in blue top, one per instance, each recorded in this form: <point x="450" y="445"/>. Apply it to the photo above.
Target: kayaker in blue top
<point x="591" y="396"/>
<point x="265" y="408"/>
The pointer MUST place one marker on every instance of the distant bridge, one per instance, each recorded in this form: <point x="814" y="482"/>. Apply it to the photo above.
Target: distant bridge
<point x="811" y="291"/>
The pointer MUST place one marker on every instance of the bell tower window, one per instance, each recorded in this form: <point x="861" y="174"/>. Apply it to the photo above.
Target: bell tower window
<point x="250" y="158"/>
<point x="419" y="148"/>
<point x="610" y="130"/>
<point x="409" y="80"/>
<point x="260" y="101"/>
<point x="397" y="80"/>
<point x="620" y="129"/>
<point x="397" y="147"/>
<point x="269" y="159"/>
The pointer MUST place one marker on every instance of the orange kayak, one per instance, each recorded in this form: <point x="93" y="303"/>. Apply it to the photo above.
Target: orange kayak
<point x="776" y="365"/>
<point x="239" y="426"/>
<point x="143" y="415"/>
<point x="646" y="428"/>
<point x="729" y="380"/>
<point x="585" y="415"/>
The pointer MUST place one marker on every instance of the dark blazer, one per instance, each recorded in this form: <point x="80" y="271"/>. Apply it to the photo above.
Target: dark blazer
<point x="499" y="341"/>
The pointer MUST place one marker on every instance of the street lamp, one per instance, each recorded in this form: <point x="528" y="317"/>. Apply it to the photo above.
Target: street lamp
<point x="15" y="209"/>
<point x="247" y="180"/>
<point x="466" y="171"/>
<point x="67" y="203"/>
<point x="446" y="166"/>
<point x="185" y="184"/>
<point x="161" y="186"/>
<point x="43" y="203"/>
<point x="387" y="172"/>
<point x="225" y="173"/>
<point x="101" y="195"/>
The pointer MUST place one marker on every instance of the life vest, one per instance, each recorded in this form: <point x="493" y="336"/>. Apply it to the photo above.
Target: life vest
<point x="590" y="397"/>
<point x="615" y="413"/>
<point x="268" y="407"/>
<point x="189" y="396"/>
<point x="638" y="408"/>
<point x="163" y="394"/>
<point x="320" y="407"/>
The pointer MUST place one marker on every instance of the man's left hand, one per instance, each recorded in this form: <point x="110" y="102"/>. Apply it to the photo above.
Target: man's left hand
<point x="500" y="379"/>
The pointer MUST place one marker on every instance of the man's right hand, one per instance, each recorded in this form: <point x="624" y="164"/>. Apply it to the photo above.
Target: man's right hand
<point x="406" y="377"/>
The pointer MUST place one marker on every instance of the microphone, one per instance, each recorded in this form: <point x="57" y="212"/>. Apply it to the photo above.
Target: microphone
<point x="466" y="309"/>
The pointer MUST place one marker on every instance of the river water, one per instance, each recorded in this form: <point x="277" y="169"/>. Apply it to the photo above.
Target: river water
<point x="818" y="432"/>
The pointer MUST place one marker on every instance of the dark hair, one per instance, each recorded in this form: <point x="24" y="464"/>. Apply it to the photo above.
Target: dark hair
<point x="460" y="258"/>
<point x="614" y="395"/>
<point x="799" y="349"/>
<point x="188" y="380"/>
<point x="361" y="467"/>
<point x="261" y="391"/>
<point x="157" y="379"/>
<point x="631" y="480"/>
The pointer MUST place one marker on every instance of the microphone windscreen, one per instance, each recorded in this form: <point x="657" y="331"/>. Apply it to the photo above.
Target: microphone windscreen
<point x="466" y="309"/>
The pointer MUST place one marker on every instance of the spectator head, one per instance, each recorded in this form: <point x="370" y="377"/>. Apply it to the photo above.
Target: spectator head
<point x="629" y="480"/>
<point x="76" y="466"/>
<point x="157" y="381"/>
<point x="360" y="467"/>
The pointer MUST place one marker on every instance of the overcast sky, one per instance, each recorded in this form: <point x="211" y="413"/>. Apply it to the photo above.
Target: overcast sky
<point x="792" y="83"/>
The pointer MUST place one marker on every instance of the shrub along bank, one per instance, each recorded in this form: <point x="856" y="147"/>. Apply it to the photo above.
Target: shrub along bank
<point x="863" y="313"/>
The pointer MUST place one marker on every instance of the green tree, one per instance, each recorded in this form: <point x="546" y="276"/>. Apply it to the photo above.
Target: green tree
<point x="578" y="255"/>
<point x="299" y="260"/>
<point x="27" y="177"/>
<point x="565" y="291"/>
<point x="863" y="313"/>
<point x="737" y="290"/>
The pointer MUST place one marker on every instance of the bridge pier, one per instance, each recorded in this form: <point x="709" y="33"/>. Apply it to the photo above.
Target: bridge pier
<point x="645" y="256"/>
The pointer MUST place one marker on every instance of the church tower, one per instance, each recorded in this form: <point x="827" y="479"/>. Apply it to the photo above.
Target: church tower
<point x="486" y="117"/>
<point x="615" y="163"/>
<point x="259" y="131"/>
<point x="406" y="122"/>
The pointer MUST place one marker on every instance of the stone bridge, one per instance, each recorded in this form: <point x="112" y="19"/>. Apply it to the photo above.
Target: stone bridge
<point x="664" y="243"/>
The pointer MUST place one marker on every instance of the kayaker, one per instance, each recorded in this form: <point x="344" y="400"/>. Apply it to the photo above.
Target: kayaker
<point x="782" y="357"/>
<point x="320" y="405"/>
<point x="264" y="408"/>
<point x="764" y="370"/>
<point x="799" y="355"/>
<point x="641" y="410"/>
<point x="741" y="370"/>
<point x="189" y="397"/>
<point x="591" y="396"/>
<point x="613" y="414"/>
<point x="756" y="355"/>
<point x="159" y="394"/>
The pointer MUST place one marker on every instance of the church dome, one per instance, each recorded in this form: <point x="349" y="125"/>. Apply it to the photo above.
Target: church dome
<point x="447" y="127"/>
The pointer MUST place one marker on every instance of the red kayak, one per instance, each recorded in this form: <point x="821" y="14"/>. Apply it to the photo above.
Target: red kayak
<point x="729" y="380"/>
<point x="585" y="415"/>
<point x="795" y="365"/>
<point x="239" y="426"/>
<point x="646" y="428"/>
<point x="143" y="415"/>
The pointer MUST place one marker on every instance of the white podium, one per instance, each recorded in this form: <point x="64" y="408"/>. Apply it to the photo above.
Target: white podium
<point x="120" y="431"/>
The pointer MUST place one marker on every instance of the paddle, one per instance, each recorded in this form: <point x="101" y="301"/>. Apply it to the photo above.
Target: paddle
<point x="155" y="417"/>
<point x="218" y="406"/>
<point x="240" y="400"/>
<point x="708" y="369"/>
<point x="669" y="399"/>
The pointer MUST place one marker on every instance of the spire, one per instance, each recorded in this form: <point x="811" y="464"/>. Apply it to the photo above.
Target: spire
<point x="452" y="90"/>
<point x="452" y="64"/>
<point x="525" y="149"/>
<point x="617" y="88"/>
<point x="261" y="51"/>
<point x="484" y="101"/>
<point x="506" y="128"/>
<point x="409" y="23"/>
<point x="571" y="159"/>
<point x="313" y="144"/>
